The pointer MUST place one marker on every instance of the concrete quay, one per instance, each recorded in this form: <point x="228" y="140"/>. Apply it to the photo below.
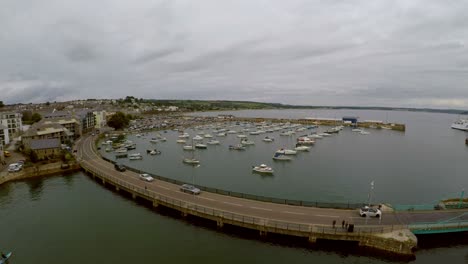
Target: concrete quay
<point x="308" y="223"/>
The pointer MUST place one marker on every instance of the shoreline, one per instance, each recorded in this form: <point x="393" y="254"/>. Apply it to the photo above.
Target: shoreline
<point x="43" y="170"/>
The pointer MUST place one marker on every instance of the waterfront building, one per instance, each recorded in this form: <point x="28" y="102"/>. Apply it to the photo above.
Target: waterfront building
<point x="4" y="135"/>
<point x="12" y="121"/>
<point x="87" y="120"/>
<point x="70" y="123"/>
<point x="46" y="148"/>
<point x="44" y="130"/>
<point x="100" y="119"/>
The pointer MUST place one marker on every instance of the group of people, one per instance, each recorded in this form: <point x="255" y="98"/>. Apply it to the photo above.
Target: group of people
<point x="344" y="224"/>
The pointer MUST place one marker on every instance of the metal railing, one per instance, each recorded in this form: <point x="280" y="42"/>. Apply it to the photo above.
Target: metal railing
<point x="240" y="219"/>
<point x="252" y="196"/>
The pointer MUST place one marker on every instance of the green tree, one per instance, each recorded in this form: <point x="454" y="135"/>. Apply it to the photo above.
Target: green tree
<point x="26" y="116"/>
<point x="1" y="104"/>
<point x="118" y="121"/>
<point x="47" y="103"/>
<point x="36" y="117"/>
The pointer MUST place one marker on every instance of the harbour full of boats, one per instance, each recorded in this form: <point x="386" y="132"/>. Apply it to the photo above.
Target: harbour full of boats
<point x="299" y="138"/>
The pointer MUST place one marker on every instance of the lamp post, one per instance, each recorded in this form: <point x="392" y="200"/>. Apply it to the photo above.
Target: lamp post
<point x="461" y="198"/>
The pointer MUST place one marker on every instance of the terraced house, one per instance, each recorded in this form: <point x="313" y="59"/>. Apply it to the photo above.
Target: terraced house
<point x="45" y="130"/>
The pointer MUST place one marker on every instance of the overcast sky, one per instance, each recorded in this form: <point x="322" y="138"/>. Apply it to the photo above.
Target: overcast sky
<point x="383" y="53"/>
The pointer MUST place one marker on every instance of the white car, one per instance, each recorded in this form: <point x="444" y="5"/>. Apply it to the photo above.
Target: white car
<point x="14" y="167"/>
<point x="146" y="177"/>
<point x="369" y="211"/>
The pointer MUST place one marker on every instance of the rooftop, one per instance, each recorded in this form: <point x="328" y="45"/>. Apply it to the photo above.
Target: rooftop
<point x="50" y="143"/>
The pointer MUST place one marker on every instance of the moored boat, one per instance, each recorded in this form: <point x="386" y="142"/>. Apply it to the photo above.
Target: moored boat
<point x="286" y="151"/>
<point x="263" y="169"/>
<point x="237" y="147"/>
<point x="281" y="157"/>
<point x="461" y="124"/>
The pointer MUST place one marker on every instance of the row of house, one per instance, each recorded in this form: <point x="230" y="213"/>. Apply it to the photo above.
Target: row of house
<point x="56" y="129"/>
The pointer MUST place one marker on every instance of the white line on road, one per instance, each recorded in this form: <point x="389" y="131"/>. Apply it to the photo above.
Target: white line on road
<point x="259" y="208"/>
<point x="288" y="212"/>
<point x="334" y="216"/>
<point x="233" y="204"/>
<point x="209" y="199"/>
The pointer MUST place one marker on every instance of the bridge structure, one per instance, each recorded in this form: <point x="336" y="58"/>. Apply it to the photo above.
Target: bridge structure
<point x="394" y="232"/>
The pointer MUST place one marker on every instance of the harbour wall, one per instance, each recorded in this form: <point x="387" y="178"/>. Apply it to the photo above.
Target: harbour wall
<point x="39" y="171"/>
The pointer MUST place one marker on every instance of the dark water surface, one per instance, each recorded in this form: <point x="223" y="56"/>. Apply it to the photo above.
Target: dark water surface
<point x="72" y="219"/>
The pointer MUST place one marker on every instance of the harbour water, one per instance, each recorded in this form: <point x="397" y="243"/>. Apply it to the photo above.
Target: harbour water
<point x="340" y="168"/>
<point x="72" y="219"/>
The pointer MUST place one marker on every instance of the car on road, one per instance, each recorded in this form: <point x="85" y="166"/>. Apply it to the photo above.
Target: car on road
<point x="187" y="188"/>
<point x="15" y="167"/>
<point x="120" y="167"/>
<point x="369" y="211"/>
<point x="146" y="177"/>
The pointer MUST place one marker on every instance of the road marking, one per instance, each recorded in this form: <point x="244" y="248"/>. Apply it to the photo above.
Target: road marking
<point x="209" y="199"/>
<point x="334" y="216"/>
<point x="259" y="208"/>
<point x="288" y="212"/>
<point x="233" y="204"/>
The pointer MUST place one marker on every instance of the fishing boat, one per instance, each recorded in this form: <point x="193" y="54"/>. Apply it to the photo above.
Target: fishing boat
<point x="304" y="140"/>
<point x="5" y="257"/>
<point x="263" y="169"/>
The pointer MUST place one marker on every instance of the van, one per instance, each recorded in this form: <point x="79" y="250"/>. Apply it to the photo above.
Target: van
<point x="120" y="167"/>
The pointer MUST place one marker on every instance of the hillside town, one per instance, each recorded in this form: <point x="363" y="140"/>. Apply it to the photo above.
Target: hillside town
<point x="55" y="126"/>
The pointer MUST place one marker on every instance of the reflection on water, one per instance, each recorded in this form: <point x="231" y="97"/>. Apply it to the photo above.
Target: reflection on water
<point x="35" y="187"/>
<point x="68" y="179"/>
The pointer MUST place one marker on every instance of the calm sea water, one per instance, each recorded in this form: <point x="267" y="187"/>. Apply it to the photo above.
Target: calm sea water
<point x="72" y="219"/>
<point x="420" y="166"/>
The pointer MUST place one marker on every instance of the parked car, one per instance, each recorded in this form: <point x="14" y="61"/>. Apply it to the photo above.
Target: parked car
<point x="6" y="153"/>
<point x="120" y="167"/>
<point x="146" y="177"/>
<point x="369" y="211"/>
<point x="14" y="167"/>
<point x="187" y="188"/>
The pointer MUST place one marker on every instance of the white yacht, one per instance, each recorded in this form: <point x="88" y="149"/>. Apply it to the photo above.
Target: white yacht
<point x="197" y="137"/>
<point x="286" y="151"/>
<point x="181" y="141"/>
<point x="263" y="169"/>
<point x="268" y="139"/>
<point x="201" y="146"/>
<point x="213" y="142"/>
<point x="135" y="156"/>
<point x="301" y="148"/>
<point x="241" y="136"/>
<point x="247" y="142"/>
<point x="188" y="147"/>
<point x="281" y="157"/>
<point x="191" y="161"/>
<point x="208" y="136"/>
<point x="461" y="124"/>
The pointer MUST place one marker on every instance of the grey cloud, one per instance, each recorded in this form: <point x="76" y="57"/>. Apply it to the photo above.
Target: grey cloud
<point x="296" y="52"/>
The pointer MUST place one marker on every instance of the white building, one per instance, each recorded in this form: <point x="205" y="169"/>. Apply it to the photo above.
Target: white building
<point x="100" y="120"/>
<point x="4" y="135"/>
<point x="12" y="121"/>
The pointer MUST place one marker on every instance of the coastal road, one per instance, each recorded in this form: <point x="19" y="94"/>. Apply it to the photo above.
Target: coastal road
<point x="265" y="210"/>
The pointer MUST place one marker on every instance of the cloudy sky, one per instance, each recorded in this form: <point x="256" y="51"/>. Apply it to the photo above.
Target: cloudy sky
<point x="385" y="53"/>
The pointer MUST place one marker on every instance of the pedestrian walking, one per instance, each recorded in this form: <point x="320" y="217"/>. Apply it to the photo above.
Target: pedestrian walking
<point x="342" y="224"/>
<point x="334" y="223"/>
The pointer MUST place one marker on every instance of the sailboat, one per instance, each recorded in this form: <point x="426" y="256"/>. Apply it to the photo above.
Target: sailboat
<point x="192" y="160"/>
